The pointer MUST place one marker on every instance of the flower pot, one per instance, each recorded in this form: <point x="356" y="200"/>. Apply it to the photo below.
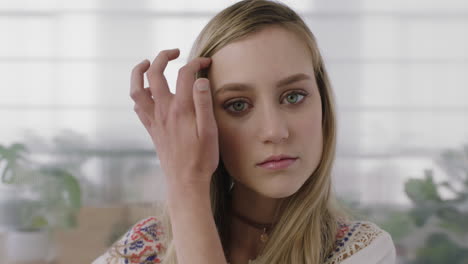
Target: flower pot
<point x="9" y="214"/>
<point x="30" y="247"/>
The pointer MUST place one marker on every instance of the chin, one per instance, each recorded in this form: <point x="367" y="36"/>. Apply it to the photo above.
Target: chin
<point x="277" y="191"/>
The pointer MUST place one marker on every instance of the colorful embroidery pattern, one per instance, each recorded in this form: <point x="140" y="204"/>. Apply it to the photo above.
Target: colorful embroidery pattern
<point x="140" y="245"/>
<point x="351" y="238"/>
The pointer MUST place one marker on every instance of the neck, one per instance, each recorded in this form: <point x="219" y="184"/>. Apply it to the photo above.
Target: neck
<point x="245" y="239"/>
<point x="257" y="208"/>
<point x="254" y="206"/>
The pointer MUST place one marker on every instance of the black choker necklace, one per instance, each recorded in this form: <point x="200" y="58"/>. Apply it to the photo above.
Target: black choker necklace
<point x="262" y="226"/>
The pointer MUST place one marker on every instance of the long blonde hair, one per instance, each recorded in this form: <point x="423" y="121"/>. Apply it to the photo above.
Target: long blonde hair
<point x="308" y="221"/>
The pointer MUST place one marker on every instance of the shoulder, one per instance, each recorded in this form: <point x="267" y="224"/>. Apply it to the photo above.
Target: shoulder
<point x="362" y="242"/>
<point x="140" y="244"/>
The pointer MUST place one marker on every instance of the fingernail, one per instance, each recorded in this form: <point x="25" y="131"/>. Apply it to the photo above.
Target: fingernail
<point x="202" y="86"/>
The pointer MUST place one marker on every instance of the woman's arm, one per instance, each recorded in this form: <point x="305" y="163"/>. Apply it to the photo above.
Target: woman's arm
<point x="184" y="132"/>
<point x="195" y="235"/>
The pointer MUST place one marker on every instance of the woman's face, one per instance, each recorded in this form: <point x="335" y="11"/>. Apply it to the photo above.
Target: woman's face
<point x="266" y="119"/>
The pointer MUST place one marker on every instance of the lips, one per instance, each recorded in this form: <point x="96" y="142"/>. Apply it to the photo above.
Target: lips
<point x="276" y="158"/>
<point x="278" y="164"/>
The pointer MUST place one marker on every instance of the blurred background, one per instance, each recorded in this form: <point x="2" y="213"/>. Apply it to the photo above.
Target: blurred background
<point x="78" y="168"/>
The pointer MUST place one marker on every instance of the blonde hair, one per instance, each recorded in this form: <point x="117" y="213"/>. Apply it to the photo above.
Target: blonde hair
<point x="308" y="221"/>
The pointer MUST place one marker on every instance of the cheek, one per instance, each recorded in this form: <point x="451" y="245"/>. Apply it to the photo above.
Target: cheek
<point x="231" y="135"/>
<point x="308" y="128"/>
<point x="231" y="145"/>
<point x="313" y="135"/>
<point x="312" y="127"/>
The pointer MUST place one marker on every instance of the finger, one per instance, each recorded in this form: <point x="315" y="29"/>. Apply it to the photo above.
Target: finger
<point x="206" y="122"/>
<point x="186" y="79"/>
<point x="157" y="81"/>
<point x="148" y="92"/>
<point x="144" y="118"/>
<point x="137" y="92"/>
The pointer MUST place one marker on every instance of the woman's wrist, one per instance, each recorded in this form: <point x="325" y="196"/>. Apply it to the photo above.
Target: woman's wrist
<point x="194" y="231"/>
<point x="182" y="194"/>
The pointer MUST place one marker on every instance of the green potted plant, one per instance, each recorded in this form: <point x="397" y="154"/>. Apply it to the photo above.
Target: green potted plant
<point x="34" y="200"/>
<point x="449" y="243"/>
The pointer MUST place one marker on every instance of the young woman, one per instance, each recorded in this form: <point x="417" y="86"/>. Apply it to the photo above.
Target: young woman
<point x="247" y="146"/>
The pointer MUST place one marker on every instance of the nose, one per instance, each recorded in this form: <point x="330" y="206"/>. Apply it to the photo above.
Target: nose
<point x="272" y="125"/>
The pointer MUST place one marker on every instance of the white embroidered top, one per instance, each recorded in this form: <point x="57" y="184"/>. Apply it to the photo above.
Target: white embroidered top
<point x="356" y="243"/>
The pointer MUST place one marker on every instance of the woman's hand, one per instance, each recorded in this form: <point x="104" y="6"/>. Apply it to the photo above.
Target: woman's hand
<point x="182" y="126"/>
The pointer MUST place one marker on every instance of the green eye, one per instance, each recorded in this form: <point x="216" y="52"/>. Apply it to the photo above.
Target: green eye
<point x="235" y="106"/>
<point x="293" y="96"/>
<point x="238" y="105"/>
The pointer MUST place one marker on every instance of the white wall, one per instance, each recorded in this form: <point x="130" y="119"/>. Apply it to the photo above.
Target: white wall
<point x="399" y="70"/>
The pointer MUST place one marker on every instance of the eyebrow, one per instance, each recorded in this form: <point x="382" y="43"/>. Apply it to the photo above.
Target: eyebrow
<point x="241" y="86"/>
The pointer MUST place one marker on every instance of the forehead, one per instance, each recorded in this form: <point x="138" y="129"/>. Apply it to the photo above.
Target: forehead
<point x="265" y="56"/>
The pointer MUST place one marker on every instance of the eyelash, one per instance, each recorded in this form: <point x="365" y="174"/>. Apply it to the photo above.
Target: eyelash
<point x="229" y="104"/>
